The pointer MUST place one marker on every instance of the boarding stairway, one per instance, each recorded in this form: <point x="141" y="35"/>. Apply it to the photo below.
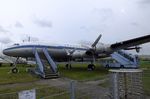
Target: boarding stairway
<point x="46" y="67"/>
<point x="125" y="59"/>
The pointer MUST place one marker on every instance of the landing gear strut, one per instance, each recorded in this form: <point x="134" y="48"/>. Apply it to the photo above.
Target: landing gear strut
<point x="14" y="69"/>
<point x="91" y="67"/>
<point x="68" y="66"/>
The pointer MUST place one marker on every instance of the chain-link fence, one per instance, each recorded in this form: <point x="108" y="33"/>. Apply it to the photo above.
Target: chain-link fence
<point x="72" y="90"/>
<point x="48" y="92"/>
<point x="146" y="81"/>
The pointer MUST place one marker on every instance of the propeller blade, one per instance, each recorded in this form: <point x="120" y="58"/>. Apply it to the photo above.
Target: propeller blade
<point x="96" y="41"/>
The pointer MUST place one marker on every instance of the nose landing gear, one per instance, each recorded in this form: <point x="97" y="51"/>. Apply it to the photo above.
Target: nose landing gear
<point x="15" y="69"/>
<point x="91" y="67"/>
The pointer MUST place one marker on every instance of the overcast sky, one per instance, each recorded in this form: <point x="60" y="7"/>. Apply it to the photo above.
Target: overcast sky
<point x="73" y="21"/>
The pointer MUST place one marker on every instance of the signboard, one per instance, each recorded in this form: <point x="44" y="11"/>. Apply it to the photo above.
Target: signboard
<point x="27" y="94"/>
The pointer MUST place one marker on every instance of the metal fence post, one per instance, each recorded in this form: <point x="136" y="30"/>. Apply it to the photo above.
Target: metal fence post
<point x="72" y="90"/>
<point x="115" y="87"/>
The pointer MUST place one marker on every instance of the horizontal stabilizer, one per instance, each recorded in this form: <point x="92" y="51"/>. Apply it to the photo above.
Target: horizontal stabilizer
<point x="131" y="42"/>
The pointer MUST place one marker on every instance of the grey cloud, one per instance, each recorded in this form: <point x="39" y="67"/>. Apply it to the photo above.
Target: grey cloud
<point x="103" y="13"/>
<point x="83" y="28"/>
<point x="3" y="30"/>
<point x="5" y="40"/>
<point x="134" y="24"/>
<point x="101" y="27"/>
<point x="144" y="2"/>
<point x="18" y="25"/>
<point x="43" y="23"/>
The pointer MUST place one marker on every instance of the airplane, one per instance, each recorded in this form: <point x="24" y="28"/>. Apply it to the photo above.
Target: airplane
<point x="60" y="53"/>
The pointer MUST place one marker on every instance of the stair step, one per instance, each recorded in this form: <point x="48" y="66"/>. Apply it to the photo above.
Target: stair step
<point x="47" y="72"/>
<point x="51" y="75"/>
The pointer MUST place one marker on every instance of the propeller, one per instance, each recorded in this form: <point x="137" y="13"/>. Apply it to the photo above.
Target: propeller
<point x="92" y="50"/>
<point x="94" y="47"/>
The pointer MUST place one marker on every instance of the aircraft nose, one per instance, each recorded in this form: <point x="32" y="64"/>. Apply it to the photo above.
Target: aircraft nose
<point x="5" y="52"/>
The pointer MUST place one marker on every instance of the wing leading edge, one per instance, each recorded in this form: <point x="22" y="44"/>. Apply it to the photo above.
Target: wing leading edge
<point x="131" y="42"/>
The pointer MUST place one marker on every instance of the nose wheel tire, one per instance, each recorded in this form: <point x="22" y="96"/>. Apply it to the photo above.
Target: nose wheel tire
<point x="91" y="67"/>
<point x="14" y="70"/>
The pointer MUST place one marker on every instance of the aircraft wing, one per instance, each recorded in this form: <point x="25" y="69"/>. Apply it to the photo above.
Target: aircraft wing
<point x="131" y="42"/>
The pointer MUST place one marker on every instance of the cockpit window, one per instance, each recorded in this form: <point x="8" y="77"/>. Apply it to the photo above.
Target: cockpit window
<point x="16" y="44"/>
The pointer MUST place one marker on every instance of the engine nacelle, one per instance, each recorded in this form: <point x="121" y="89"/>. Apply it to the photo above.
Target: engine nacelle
<point x="78" y="54"/>
<point x="100" y="49"/>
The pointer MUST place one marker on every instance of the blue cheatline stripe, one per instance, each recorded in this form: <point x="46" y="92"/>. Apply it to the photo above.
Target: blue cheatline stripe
<point x="45" y="46"/>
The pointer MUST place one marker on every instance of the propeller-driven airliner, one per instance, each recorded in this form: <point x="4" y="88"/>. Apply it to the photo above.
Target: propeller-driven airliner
<point x="59" y="53"/>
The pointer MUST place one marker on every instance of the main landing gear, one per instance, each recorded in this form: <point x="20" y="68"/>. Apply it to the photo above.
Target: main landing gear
<point x="68" y="66"/>
<point x="91" y="67"/>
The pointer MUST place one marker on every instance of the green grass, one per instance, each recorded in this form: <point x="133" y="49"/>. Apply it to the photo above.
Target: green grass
<point x="41" y="91"/>
<point x="145" y="65"/>
<point x="6" y="77"/>
<point x="49" y="91"/>
<point x="79" y="72"/>
<point x="20" y="88"/>
<point x="146" y="81"/>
